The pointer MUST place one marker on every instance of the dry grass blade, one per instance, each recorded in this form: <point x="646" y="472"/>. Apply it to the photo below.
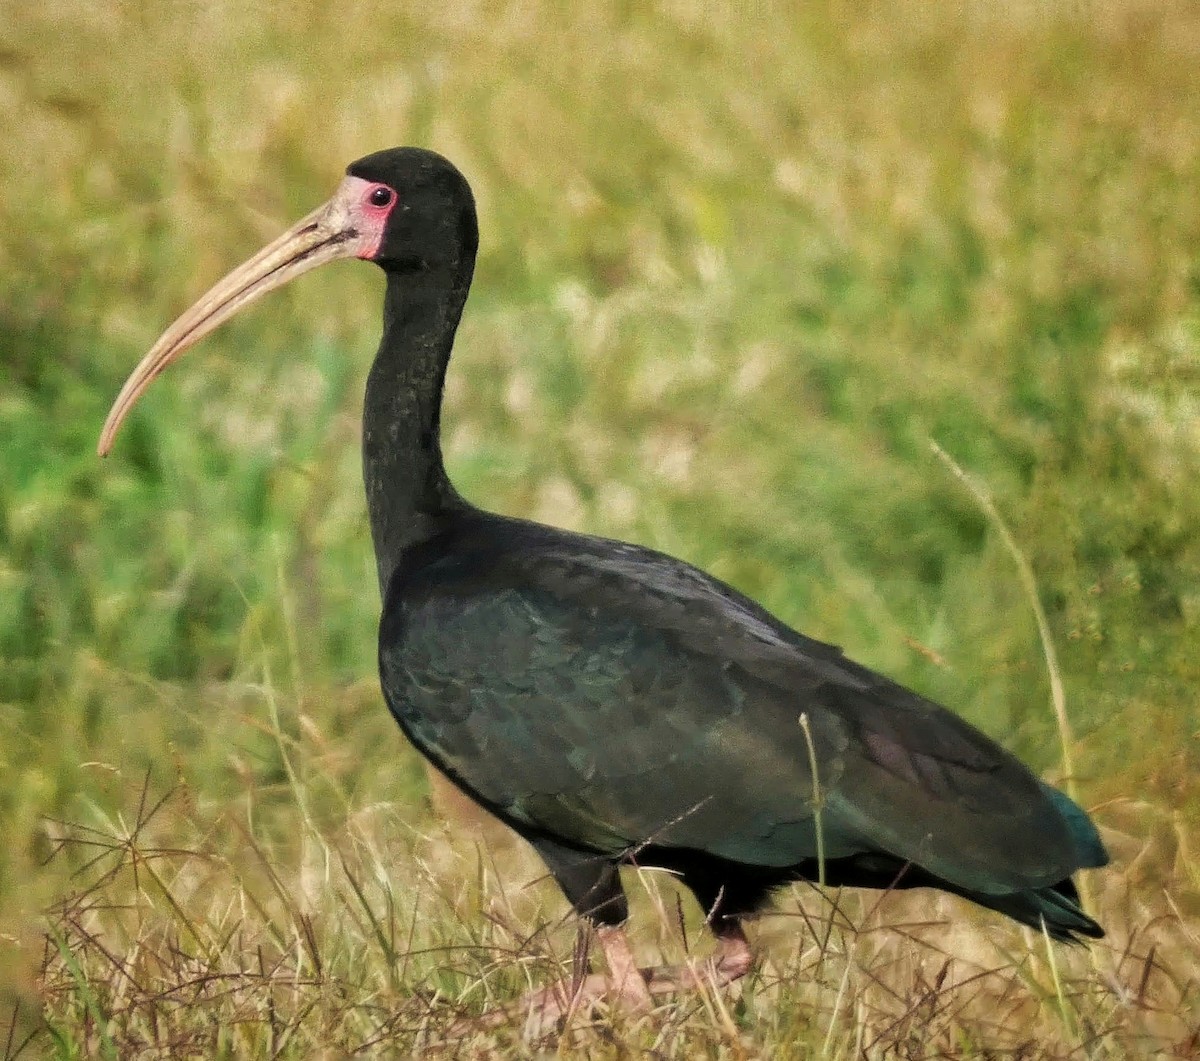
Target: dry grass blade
<point x="125" y="958"/>
<point x="1029" y="585"/>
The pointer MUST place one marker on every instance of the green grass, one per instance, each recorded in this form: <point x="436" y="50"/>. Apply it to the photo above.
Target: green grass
<point x="740" y="264"/>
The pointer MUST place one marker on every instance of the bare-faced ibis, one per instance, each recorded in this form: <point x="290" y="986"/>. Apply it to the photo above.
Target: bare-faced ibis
<point x="612" y="704"/>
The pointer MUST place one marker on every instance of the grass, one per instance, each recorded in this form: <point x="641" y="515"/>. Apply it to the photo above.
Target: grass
<point x="739" y="266"/>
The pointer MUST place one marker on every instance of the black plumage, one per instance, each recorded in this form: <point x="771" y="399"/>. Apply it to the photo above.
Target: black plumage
<point x="613" y="704"/>
<point x="609" y="703"/>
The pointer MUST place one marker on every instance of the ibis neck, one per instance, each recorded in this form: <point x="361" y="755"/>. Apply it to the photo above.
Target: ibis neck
<point x="408" y="492"/>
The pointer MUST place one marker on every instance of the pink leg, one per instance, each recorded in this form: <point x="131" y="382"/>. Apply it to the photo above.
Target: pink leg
<point x="625" y="979"/>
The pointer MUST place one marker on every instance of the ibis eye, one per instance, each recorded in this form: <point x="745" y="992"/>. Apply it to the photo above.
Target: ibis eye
<point x="381" y="196"/>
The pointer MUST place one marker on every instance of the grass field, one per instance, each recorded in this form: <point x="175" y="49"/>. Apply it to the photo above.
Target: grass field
<point x="741" y="265"/>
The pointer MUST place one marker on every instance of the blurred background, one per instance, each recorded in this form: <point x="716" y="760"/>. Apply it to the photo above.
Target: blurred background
<point x="740" y="263"/>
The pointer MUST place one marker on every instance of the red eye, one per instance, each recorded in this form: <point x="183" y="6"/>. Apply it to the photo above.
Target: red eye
<point x="381" y="196"/>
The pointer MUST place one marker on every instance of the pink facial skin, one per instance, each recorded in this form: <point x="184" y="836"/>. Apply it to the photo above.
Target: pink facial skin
<point x="369" y="204"/>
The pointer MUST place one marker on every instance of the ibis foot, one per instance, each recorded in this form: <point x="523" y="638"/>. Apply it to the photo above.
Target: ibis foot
<point x="732" y="961"/>
<point x="623" y="986"/>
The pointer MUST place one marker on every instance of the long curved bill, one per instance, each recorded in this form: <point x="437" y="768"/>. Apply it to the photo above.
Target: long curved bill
<point x="330" y="232"/>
